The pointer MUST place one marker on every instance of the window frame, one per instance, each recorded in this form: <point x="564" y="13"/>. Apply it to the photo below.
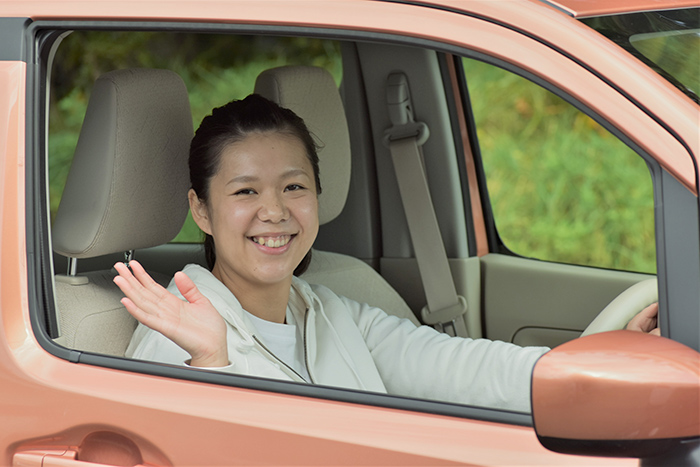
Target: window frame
<point x="40" y="270"/>
<point x="40" y="265"/>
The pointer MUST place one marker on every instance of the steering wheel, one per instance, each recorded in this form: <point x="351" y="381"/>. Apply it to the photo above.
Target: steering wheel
<point x="624" y="307"/>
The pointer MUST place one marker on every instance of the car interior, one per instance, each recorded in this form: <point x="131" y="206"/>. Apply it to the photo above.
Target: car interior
<point x="125" y="197"/>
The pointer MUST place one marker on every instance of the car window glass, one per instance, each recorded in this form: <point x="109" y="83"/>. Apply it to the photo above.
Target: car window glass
<point x="215" y="69"/>
<point x="562" y="188"/>
<point x="675" y="52"/>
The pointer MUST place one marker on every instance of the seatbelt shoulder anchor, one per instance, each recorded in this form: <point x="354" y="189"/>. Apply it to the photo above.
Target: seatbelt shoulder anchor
<point x="400" y="107"/>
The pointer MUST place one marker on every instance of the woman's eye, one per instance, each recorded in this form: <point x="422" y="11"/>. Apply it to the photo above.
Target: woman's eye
<point x="293" y="187"/>
<point x="245" y="191"/>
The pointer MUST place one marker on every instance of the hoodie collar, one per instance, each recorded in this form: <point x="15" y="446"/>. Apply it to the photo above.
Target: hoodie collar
<point x="301" y="298"/>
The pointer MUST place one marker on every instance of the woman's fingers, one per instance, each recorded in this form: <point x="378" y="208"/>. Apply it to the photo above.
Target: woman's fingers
<point x="137" y="277"/>
<point x="645" y="320"/>
<point x="140" y="315"/>
<point x="146" y="280"/>
<point x="146" y="294"/>
<point x="187" y="288"/>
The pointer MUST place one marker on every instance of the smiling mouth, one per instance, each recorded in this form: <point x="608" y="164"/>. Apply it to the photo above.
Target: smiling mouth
<point x="273" y="242"/>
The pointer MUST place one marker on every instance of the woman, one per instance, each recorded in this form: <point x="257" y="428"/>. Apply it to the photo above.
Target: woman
<point x="255" y="183"/>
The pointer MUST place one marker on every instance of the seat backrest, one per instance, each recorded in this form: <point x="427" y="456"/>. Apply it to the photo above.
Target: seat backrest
<point x="312" y="94"/>
<point x="126" y="190"/>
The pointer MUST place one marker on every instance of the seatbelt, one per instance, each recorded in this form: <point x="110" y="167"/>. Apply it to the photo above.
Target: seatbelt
<point x="444" y="309"/>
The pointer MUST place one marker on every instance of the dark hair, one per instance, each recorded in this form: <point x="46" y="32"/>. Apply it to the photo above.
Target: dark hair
<point x="230" y="124"/>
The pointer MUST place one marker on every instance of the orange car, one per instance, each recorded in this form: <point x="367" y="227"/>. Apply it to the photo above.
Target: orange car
<point x="549" y="190"/>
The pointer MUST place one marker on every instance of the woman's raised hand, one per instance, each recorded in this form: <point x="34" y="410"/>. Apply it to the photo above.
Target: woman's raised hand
<point x="646" y="320"/>
<point x="194" y="325"/>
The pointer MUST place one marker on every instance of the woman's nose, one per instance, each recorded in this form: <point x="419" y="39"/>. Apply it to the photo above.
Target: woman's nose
<point x="273" y="209"/>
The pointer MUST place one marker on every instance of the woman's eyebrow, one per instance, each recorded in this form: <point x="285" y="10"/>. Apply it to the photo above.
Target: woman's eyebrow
<point x="294" y="173"/>
<point x="243" y="179"/>
<point x="252" y="178"/>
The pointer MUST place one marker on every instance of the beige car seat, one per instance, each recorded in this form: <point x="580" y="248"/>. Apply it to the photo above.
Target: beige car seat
<point x="313" y="95"/>
<point x="126" y="190"/>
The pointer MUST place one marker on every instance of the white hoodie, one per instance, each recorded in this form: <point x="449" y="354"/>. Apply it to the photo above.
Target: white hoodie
<point x="353" y="345"/>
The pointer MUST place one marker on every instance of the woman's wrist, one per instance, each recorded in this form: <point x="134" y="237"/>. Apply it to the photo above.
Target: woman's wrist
<point x="216" y="360"/>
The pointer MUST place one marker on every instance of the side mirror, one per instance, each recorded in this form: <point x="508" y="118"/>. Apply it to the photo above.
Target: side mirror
<point x="618" y="394"/>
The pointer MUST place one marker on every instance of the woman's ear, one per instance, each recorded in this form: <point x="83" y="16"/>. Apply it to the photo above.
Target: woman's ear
<point x="200" y="212"/>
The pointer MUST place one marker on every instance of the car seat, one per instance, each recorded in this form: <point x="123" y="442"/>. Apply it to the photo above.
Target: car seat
<point x="126" y="190"/>
<point x="312" y="94"/>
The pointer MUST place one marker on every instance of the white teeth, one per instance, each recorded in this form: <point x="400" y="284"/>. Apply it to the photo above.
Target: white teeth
<point x="272" y="242"/>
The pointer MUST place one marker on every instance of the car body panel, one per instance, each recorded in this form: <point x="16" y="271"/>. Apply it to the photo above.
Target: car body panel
<point x="585" y="8"/>
<point x="52" y="404"/>
<point x="612" y="356"/>
<point x="76" y="400"/>
<point x="13" y="265"/>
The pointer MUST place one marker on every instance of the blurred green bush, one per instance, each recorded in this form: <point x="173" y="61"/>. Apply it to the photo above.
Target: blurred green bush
<point x="562" y="188"/>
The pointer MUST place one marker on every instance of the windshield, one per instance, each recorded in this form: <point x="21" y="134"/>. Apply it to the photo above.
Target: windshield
<point x="667" y="41"/>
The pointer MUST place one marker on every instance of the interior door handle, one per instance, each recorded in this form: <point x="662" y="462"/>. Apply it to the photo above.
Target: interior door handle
<point x="98" y="449"/>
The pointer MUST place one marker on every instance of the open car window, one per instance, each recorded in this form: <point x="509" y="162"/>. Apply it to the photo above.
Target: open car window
<point x="215" y="69"/>
<point x="218" y="68"/>
<point x="561" y="187"/>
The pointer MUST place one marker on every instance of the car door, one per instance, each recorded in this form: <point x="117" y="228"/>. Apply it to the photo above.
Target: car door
<point x="68" y="407"/>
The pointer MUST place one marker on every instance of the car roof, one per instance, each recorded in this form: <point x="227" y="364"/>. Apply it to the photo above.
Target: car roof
<point x="586" y="8"/>
<point x="578" y="8"/>
<point x="575" y="8"/>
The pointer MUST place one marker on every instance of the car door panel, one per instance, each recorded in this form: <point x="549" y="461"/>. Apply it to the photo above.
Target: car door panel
<point x="531" y="302"/>
<point x="178" y="422"/>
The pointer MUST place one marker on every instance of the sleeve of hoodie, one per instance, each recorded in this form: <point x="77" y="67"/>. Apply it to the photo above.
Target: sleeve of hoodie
<point x="147" y="344"/>
<point x="422" y="362"/>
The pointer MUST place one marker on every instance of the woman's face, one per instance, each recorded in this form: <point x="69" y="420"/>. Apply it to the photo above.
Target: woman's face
<point x="262" y="209"/>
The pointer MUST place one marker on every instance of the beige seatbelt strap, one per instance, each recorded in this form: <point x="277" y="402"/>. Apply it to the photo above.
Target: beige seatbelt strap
<point x="444" y="309"/>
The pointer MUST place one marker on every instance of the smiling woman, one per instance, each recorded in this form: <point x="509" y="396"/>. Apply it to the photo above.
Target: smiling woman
<point x="255" y="181"/>
<point x="260" y="200"/>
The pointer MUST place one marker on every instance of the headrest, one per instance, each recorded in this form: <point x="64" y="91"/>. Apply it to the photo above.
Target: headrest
<point x="312" y="94"/>
<point x="127" y="186"/>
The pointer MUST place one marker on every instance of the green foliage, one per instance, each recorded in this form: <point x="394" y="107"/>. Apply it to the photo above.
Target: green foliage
<point x="561" y="187"/>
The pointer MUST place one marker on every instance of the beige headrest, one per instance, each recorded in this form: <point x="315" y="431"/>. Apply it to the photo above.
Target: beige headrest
<point x="127" y="186"/>
<point x="311" y="93"/>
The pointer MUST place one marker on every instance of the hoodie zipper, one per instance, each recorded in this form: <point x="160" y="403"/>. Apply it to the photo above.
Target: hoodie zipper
<point x="279" y="360"/>
<point x="306" y="353"/>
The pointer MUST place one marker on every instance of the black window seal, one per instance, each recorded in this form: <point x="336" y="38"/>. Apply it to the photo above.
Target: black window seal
<point x="12" y="39"/>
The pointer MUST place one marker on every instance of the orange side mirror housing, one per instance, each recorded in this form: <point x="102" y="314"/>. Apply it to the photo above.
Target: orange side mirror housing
<point x="617" y="394"/>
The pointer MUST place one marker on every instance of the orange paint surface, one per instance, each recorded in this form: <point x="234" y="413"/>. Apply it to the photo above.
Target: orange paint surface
<point x="650" y="390"/>
<point x="49" y="403"/>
